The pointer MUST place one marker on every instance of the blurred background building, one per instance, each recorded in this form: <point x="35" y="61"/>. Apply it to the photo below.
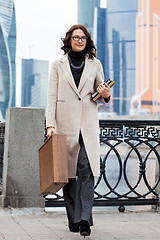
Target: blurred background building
<point x="100" y="37"/>
<point x="147" y="98"/>
<point x="86" y="13"/>
<point x="121" y="41"/>
<point x="34" y="83"/>
<point x="7" y="55"/>
<point x="114" y="34"/>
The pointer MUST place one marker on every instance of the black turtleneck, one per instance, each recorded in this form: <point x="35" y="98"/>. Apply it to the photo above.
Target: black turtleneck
<point x="76" y="59"/>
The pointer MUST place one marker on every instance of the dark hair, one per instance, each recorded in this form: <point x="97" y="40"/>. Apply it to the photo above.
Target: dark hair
<point x="90" y="48"/>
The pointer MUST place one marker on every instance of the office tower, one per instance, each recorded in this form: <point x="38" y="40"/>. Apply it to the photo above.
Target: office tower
<point x="121" y="41"/>
<point x="7" y="55"/>
<point x="100" y="40"/>
<point x="147" y="98"/>
<point x="86" y="13"/>
<point x="100" y="37"/>
<point x="34" y="83"/>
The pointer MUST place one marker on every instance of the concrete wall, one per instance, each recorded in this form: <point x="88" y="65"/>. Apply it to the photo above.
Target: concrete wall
<point x="24" y="133"/>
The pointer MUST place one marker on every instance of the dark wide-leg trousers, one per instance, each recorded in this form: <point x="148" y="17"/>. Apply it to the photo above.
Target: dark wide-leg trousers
<point x="79" y="192"/>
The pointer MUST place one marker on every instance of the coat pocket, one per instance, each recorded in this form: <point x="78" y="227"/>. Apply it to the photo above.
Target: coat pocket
<point x="61" y="114"/>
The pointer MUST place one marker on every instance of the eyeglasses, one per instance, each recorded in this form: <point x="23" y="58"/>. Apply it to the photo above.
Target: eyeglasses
<point x="77" y="38"/>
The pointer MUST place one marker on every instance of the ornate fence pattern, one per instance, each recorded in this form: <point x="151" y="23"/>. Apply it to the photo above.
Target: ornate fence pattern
<point x="130" y="164"/>
<point x="130" y="158"/>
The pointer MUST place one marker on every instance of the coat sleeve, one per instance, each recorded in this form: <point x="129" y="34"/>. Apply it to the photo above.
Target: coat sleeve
<point x="52" y="96"/>
<point x="100" y="79"/>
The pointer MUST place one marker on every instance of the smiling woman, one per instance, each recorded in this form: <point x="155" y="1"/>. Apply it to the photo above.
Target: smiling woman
<point x="70" y="111"/>
<point x="78" y="40"/>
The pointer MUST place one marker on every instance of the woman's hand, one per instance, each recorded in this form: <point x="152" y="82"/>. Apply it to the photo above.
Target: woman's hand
<point x="50" y="131"/>
<point x="104" y="90"/>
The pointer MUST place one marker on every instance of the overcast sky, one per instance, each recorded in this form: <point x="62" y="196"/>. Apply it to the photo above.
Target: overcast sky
<point x="40" y="26"/>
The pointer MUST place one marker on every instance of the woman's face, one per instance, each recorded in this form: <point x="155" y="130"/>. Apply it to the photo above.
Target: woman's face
<point x="76" y="43"/>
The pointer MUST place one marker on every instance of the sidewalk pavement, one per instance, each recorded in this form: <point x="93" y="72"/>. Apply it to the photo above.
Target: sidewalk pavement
<point x="36" y="224"/>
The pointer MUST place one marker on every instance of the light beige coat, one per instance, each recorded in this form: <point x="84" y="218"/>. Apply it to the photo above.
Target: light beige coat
<point x="71" y="110"/>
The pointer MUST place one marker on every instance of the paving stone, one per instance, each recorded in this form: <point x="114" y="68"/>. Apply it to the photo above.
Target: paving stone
<point x="108" y="225"/>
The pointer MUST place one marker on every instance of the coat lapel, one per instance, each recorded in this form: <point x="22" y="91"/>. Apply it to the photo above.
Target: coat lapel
<point x="64" y="63"/>
<point x="86" y="72"/>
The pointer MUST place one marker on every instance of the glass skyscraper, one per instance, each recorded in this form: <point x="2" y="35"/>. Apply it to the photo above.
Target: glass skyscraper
<point x="121" y="41"/>
<point x="86" y="13"/>
<point x="34" y="83"/>
<point x="7" y="55"/>
<point x="114" y="32"/>
<point x="100" y="37"/>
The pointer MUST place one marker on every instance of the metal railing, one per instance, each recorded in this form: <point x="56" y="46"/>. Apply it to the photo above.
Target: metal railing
<point x="129" y="162"/>
<point x="2" y="134"/>
<point x="130" y="158"/>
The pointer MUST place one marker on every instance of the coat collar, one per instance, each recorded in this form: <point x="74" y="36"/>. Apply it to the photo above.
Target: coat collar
<point x="64" y="63"/>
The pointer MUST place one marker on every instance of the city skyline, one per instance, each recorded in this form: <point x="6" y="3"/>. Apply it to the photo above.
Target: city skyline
<point x="40" y="27"/>
<point x="40" y="38"/>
